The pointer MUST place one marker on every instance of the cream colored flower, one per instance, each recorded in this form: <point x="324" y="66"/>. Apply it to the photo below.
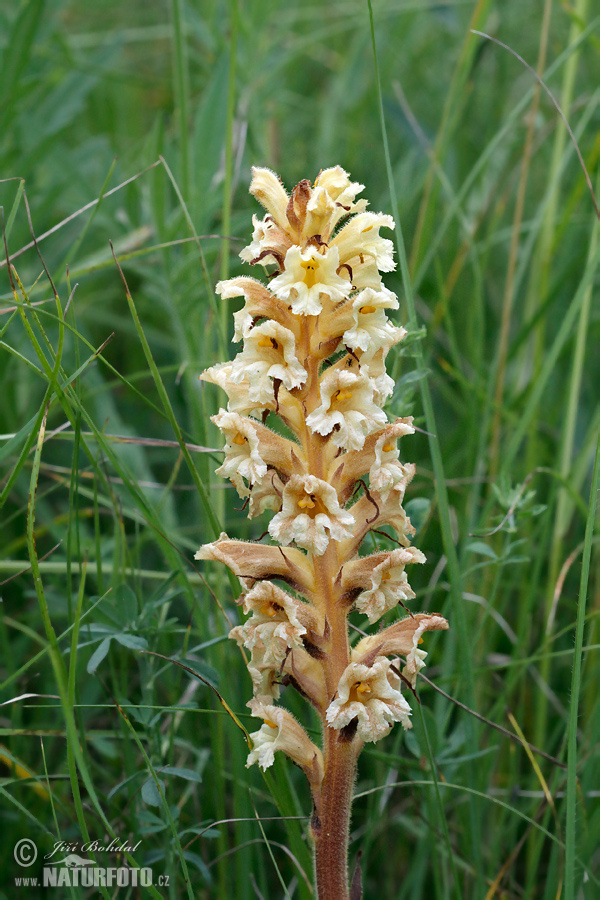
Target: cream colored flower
<point x="341" y="190"/>
<point x="360" y="237"/>
<point x="285" y="223"/>
<point x="400" y="639"/>
<point x="331" y="199"/>
<point x="274" y="627"/>
<point x="382" y="579"/>
<point x="372" y="329"/>
<point x="266" y="678"/>
<point x="310" y="277"/>
<point x="391" y="511"/>
<point x="270" y="193"/>
<point x="371" y="511"/>
<point x="366" y="694"/>
<point x="242" y="452"/>
<point x="387" y="472"/>
<point x="238" y="389"/>
<point x="357" y="463"/>
<point x="310" y="515"/>
<point x="282" y="732"/>
<point x="365" y="273"/>
<point x="321" y="216"/>
<point x="265" y="494"/>
<point x="269" y="243"/>
<point x="346" y="406"/>
<point x="297" y="668"/>
<point x="415" y="659"/>
<point x="383" y="384"/>
<point x="269" y="353"/>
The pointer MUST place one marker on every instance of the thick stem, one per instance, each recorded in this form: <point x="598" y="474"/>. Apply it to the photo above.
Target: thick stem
<point x="331" y="830"/>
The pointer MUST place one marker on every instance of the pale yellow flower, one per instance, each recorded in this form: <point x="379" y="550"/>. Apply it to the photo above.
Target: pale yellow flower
<point x="374" y="367"/>
<point x="265" y="494"/>
<point x="357" y="463"/>
<point x="360" y="237"/>
<point x="415" y="659"/>
<point x="259" y="303"/>
<point x="238" y="389"/>
<point x="365" y="693"/>
<point x="282" y="732"/>
<point x="269" y="354"/>
<point x="387" y="472"/>
<point x="402" y="638"/>
<point x="341" y="190"/>
<point x="372" y="330"/>
<point x="271" y="194"/>
<point x="309" y="278"/>
<point x="381" y="579"/>
<point x="242" y="451"/>
<point x="269" y="243"/>
<point x="346" y="406"/>
<point x="365" y="273"/>
<point x="310" y="515"/>
<point x="266" y="678"/>
<point x="321" y="215"/>
<point x="274" y="626"/>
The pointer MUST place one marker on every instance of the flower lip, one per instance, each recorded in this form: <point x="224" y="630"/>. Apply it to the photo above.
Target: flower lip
<point x="242" y="450"/>
<point x="310" y="515"/>
<point x="360" y="237"/>
<point x="370" y="694"/>
<point x="269" y="353"/>
<point x="309" y="277"/>
<point x="346" y="406"/>
<point x="276" y="626"/>
<point x="372" y="330"/>
<point x="269" y="243"/>
<point x="259" y="304"/>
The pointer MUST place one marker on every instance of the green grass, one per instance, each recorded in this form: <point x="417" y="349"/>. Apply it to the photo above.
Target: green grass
<point x="136" y="124"/>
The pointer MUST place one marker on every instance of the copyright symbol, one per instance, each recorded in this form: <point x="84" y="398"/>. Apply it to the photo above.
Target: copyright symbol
<point x="25" y="852"/>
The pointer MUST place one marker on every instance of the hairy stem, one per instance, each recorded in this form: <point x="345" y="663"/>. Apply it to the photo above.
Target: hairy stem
<point x="332" y="821"/>
<point x="331" y="829"/>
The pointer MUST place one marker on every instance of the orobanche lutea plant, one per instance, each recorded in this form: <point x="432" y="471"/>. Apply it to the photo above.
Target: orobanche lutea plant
<point x="313" y="367"/>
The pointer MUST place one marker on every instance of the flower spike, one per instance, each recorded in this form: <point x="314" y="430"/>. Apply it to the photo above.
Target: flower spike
<point x="306" y="434"/>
